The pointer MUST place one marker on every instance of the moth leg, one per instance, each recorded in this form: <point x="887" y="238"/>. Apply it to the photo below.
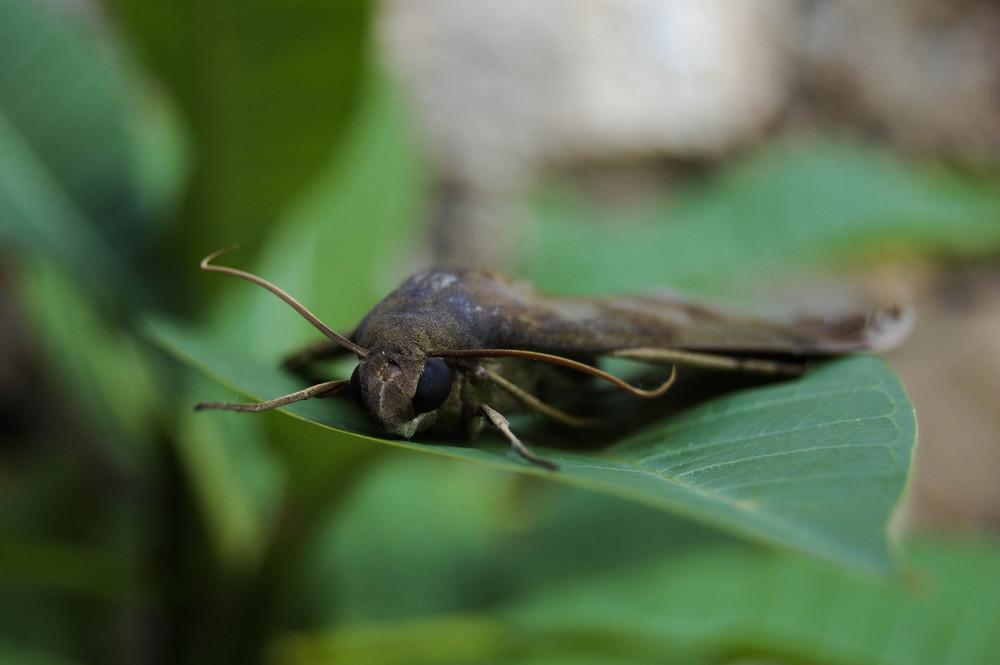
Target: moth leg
<point x="710" y="360"/>
<point x="557" y="360"/>
<point x="500" y="423"/>
<point x="535" y="404"/>
<point x="324" y="389"/>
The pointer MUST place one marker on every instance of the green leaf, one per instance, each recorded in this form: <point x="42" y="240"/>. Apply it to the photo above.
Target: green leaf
<point x="816" y="464"/>
<point x="723" y="603"/>
<point x="102" y="371"/>
<point x="66" y="184"/>
<point x="67" y="567"/>
<point x="237" y="483"/>
<point x="266" y="89"/>
<point x="23" y="655"/>
<point x="709" y="605"/>
<point x="496" y="537"/>
<point x="781" y="210"/>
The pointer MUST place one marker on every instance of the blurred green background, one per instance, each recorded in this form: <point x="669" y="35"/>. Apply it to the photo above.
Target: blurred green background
<point x="136" y="136"/>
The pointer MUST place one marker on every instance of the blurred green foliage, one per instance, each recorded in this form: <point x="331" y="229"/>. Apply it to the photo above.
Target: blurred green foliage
<point x="264" y="89"/>
<point x="784" y="210"/>
<point x="133" y="530"/>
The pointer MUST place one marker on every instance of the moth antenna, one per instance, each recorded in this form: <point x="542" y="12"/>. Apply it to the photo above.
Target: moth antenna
<point x="557" y="360"/>
<point x="206" y="264"/>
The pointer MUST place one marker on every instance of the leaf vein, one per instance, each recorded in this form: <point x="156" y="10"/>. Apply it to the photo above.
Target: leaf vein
<point x="771" y="434"/>
<point x="714" y="415"/>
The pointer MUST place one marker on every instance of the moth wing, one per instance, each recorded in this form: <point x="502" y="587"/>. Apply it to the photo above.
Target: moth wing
<point x="604" y="325"/>
<point x="698" y="327"/>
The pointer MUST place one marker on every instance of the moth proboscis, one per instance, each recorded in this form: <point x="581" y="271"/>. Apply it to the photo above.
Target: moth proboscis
<point x="454" y="348"/>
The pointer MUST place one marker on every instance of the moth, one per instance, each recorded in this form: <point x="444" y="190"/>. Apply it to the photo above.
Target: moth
<point x="452" y="349"/>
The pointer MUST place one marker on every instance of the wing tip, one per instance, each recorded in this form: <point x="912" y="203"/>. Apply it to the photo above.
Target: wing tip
<point x="889" y="327"/>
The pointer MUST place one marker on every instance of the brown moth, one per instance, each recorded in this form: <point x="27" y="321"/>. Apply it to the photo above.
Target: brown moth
<point x="454" y="348"/>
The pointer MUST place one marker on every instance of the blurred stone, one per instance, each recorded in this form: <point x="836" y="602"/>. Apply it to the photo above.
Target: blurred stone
<point x="503" y="86"/>
<point x="503" y="89"/>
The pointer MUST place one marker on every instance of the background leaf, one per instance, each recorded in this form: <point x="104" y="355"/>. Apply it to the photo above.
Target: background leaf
<point x="477" y="537"/>
<point x="67" y="186"/>
<point x="265" y="88"/>
<point x="708" y="605"/>
<point x="727" y="603"/>
<point x="782" y="211"/>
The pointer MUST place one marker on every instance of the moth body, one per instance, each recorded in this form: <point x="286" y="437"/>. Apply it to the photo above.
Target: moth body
<point x="454" y="348"/>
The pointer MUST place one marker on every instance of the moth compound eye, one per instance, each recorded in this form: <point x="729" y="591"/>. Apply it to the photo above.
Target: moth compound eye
<point x="356" y="389"/>
<point x="433" y="386"/>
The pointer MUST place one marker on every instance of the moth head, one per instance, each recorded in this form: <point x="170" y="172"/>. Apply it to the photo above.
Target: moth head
<point x="397" y="384"/>
<point x="399" y="390"/>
